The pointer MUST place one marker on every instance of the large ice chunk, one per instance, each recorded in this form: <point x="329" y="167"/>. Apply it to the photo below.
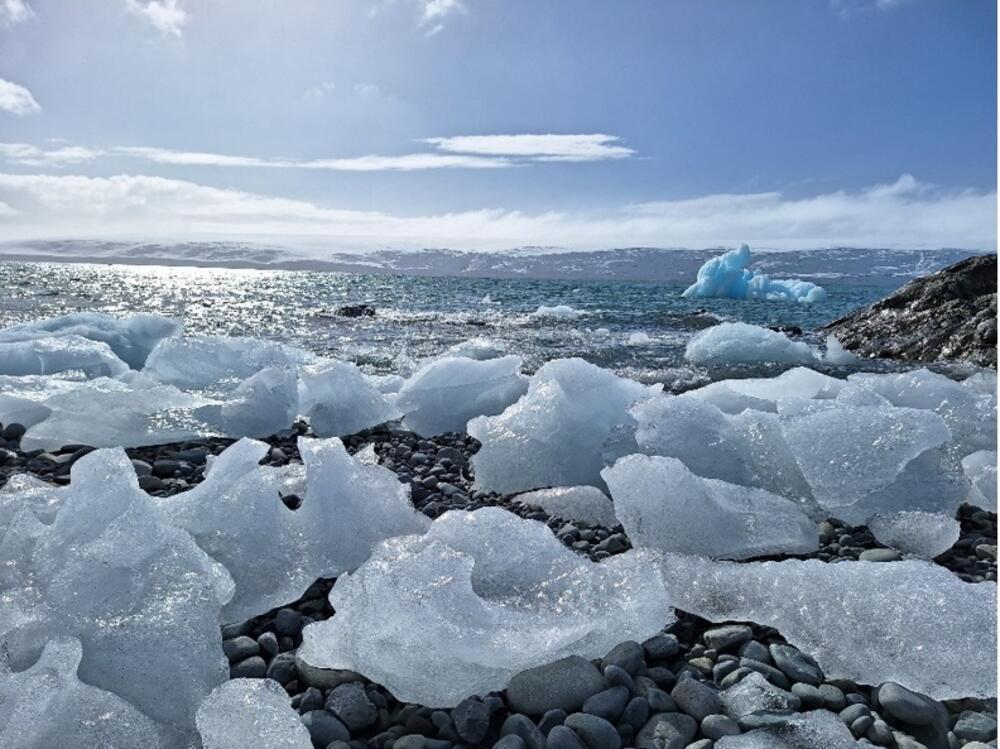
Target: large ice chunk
<point x="480" y="597"/>
<point x="46" y="705"/>
<point x="444" y="394"/>
<point x="348" y="507"/>
<point x="817" y="729"/>
<point x="913" y="622"/>
<point x="740" y="342"/>
<point x="218" y="364"/>
<point x="264" y="403"/>
<point x="923" y="534"/>
<point x="663" y="506"/>
<point x="69" y="353"/>
<point x="250" y="714"/>
<point x="981" y="470"/>
<point x="338" y="399"/>
<point x="138" y="593"/>
<point x="584" y="504"/>
<point x="572" y="422"/>
<point x="727" y="276"/>
<point x="848" y="451"/>
<point x="763" y="393"/>
<point x="131" y="339"/>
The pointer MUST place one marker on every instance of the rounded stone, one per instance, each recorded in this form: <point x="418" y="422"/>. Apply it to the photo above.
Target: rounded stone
<point x="627" y="655"/>
<point x="595" y="732"/>
<point x="287" y="623"/>
<point x="565" y="684"/>
<point x="906" y="706"/>
<point x="351" y="705"/>
<point x="561" y="737"/>
<point x="608" y="704"/>
<point x="472" y="720"/>
<point x="879" y="555"/>
<point x="667" y="731"/>
<point x="716" y="726"/>
<point x="249" y="668"/>
<point x="696" y="699"/>
<point x="796" y="665"/>
<point x="324" y="728"/>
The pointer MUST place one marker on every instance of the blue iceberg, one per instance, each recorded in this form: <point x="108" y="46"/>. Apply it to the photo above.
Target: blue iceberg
<point x="727" y="276"/>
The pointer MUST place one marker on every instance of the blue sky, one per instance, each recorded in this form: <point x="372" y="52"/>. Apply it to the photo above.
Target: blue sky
<point x="784" y="123"/>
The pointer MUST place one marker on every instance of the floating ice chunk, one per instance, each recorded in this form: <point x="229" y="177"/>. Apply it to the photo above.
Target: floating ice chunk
<point x="696" y="432"/>
<point x="133" y="411"/>
<point x="444" y="394"/>
<point x="922" y="534"/>
<point x="46" y="705"/>
<point x="754" y="694"/>
<point x="480" y="597"/>
<point x="847" y="452"/>
<point x="970" y="415"/>
<point x="813" y="730"/>
<point x="138" y="593"/>
<point x="573" y="420"/>
<point x="727" y="276"/>
<point x="339" y="399"/>
<point x="348" y="506"/>
<point x="218" y="364"/>
<point x="638" y="338"/>
<point x="251" y="714"/>
<point x="981" y="470"/>
<point x="739" y="342"/>
<point x="478" y="348"/>
<point x="869" y="622"/>
<point x="584" y="504"/>
<point x="558" y="312"/>
<point x="130" y="339"/>
<point x="264" y="403"/>
<point x="663" y="506"/>
<point x="68" y="353"/>
<point x="837" y="355"/>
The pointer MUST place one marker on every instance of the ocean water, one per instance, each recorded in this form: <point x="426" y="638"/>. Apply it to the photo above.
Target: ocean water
<point x="418" y="316"/>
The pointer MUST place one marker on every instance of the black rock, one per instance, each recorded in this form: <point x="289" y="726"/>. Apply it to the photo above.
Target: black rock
<point x="356" y="310"/>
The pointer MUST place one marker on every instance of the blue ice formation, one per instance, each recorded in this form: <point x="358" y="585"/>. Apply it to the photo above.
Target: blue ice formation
<point x="727" y="276"/>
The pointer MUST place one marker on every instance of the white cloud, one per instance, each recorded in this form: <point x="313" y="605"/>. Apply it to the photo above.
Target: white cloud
<point x="16" y="99"/>
<point x="548" y="147"/>
<point x="905" y="213"/>
<point x="367" y="89"/>
<point x="165" y="15"/>
<point x="29" y="155"/>
<point x="191" y="158"/>
<point x="320" y="91"/>
<point x="14" y="11"/>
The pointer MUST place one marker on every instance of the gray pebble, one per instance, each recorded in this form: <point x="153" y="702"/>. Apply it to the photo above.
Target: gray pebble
<point x="520" y="725"/>
<point x="510" y="741"/>
<point x="661" y="647"/>
<point x="550" y="720"/>
<point x="728" y="636"/>
<point x="796" y="665"/>
<point x="879" y="555"/>
<point x="561" y="737"/>
<point x="324" y="728"/>
<point x="287" y="623"/>
<point x="636" y="713"/>
<point x="472" y="720"/>
<point x="595" y="732"/>
<point x="627" y="655"/>
<point x="608" y="704"/>
<point x="696" y="699"/>
<point x="282" y="668"/>
<point x="564" y="684"/>
<point x="716" y="726"/>
<point x="250" y="668"/>
<point x="351" y="705"/>
<point x="975" y="726"/>
<point x="906" y="706"/>
<point x="240" y="648"/>
<point x="667" y="731"/>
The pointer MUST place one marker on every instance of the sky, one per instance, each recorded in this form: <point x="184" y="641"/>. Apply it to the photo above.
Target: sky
<point x="489" y="124"/>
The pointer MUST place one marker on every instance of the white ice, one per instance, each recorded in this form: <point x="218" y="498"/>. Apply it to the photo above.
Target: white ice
<point x="67" y="353"/>
<point x="480" y="597"/>
<point x="817" y="729"/>
<point x="727" y="276"/>
<point x="663" y="506"/>
<point x="638" y="338"/>
<point x="981" y="470"/>
<point x="264" y="403"/>
<point x="131" y="339"/>
<point x="573" y="421"/>
<point x="46" y="705"/>
<point x="837" y="355"/>
<point x="480" y="348"/>
<point x="740" y="342"/>
<point x="138" y="593"/>
<point x="912" y="622"/>
<point x="583" y="504"/>
<point x="338" y="399"/>
<point x="558" y="312"/>
<point x="445" y="393"/>
<point x="922" y="534"/>
<point x="250" y="714"/>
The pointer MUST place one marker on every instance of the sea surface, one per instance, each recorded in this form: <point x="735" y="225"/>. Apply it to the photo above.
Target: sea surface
<point x="419" y="317"/>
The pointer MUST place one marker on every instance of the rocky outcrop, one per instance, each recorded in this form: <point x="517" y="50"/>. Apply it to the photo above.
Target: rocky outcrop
<point x="950" y="315"/>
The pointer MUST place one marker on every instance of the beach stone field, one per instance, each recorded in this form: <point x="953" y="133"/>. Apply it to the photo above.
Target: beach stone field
<point x="695" y="685"/>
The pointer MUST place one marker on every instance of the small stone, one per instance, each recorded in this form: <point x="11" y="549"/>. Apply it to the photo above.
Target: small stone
<point x="324" y="728"/>
<point x="282" y="668"/>
<point x="810" y="696"/>
<point x="696" y="699"/>
<point x="596" y="733"/>
<point x="240" y="648"/>
<point x="716" y="726"/>
<point x="906" y="706"/>
<point x="511" y="741"/>
<point x="351" y="705"/>
<point x="975" y="726"/>
<point x="608" y="704"/>
<point x="550" y="720"/>
<point x="721" y="638"/>
<point x="661" y="647"/>
<point x="833" y="697"/>
<point x="667" y="731"/>
<point x="288" y="623"/>
<point x="636" y="713"/>
<point x="615" y="676"/>
<point x="472" y="720"/>
<point x="564" y="684"/>
<point x="324" y="678"/>
<point x="561" y="737"/>
<point x="268" y="643"/>
<point x="410" y="741"/>
<point x="879" y="555"/>
<point x="520" y="725"/>
<point x="627" y="655"/>
<point x="249" y="668"/>
<point x="755" y="651"/>
<point x="796" y="665"/>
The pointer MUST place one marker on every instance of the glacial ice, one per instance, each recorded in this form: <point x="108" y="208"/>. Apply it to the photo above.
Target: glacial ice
<point x="572" y="422"/>
<point x="728" y="277"/>
<point x="981" y="470"/>
<point x="663" y="506"/>
<point x="754" y="694"/>
<point x="584" y="504"/>
<point x="911" y="622"/>
<point x="638" y="338"/>
<point x="250" y="714"/>
<point x="558" y="312"/>
<point x="739" y="342"/>
<point x="339" y="399"/>
<point x="922" y="534"/>
<point x="264" y="403"/>
<point x="138" y="593"/>
<point x="217" y="365"/>
<point x="480" y="597"/>
<point x="445" y="393"/>
<point x="837" y="355"/>
<point x="46" y="705"/>
<point x="817" y="729"/>
<point x="68" y="353"/>
<point x="131" y="339"/>
<point x="348" y="506"/>
<point x="480" y="348"/>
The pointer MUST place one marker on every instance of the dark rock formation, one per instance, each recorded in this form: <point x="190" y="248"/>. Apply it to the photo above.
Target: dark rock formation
<point x="950" y="315"/>
<point x="356" y="310"/>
